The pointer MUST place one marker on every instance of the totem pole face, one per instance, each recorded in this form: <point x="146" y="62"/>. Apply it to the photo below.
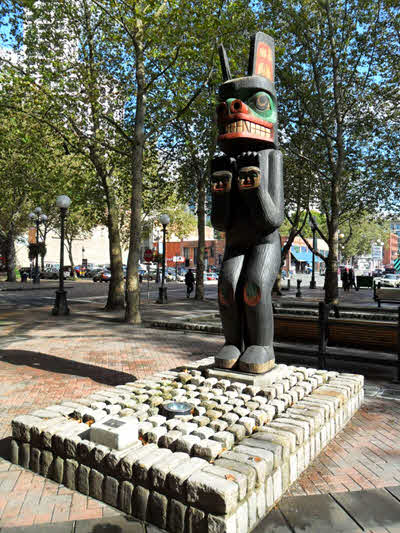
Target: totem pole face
<point x="247" y="115"/>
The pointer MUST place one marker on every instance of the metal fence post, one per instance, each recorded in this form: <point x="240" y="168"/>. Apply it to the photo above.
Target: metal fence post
<point x="323" y="317"/>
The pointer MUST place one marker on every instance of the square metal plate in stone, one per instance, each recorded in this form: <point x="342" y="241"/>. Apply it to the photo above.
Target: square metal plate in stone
<point x="114" y="423"/>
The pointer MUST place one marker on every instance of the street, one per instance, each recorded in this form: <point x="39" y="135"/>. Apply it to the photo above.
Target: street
<point x="86" y="291"/>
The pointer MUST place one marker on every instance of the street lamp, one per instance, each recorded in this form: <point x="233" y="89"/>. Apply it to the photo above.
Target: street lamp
<point x="162" y="291"/>
<point x="340" y="247"/>
<point x="60" y="305"/>
<point x="38" y="217"/>
<point x="313" y="227"/>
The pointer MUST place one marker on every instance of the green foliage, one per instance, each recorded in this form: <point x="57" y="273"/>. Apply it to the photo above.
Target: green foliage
<point x="36" y="249"/>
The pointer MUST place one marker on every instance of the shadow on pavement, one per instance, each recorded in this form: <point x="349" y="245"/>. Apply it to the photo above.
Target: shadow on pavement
<point x="52" y="363"/>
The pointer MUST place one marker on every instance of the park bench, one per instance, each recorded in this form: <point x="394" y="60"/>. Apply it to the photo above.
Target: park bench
<point x="327" y="331"/>
<point x="387" y="294"/>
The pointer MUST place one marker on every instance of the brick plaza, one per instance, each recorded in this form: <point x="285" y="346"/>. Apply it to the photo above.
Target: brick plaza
<point x="46" y="360"/>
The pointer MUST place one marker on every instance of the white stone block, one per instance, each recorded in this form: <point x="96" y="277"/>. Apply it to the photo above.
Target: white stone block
<point x="269" y="492"/>
<point x="242" y="518"/>
<point x="300" y="460"/>
<point x="261" y="502"/>
<point x="277" y="481"/>
<point x="222" y="524"/>
<point x="312" y="447"/>
<point x="115" y="432"/>
<point x="293" y="468"/>
<point x="307" y="454"/>
<point x="252" y="509"/>
<point x="317" y="442"/>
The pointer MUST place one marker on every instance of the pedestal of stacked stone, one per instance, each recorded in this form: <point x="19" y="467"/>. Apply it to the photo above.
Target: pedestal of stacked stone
<point x="219" y="469"/>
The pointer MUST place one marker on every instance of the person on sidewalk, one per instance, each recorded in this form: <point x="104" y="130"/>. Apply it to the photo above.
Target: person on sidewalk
<point x="352" y="279"/>
<point x="345" y="279"/>
<point x="189" y="282"/>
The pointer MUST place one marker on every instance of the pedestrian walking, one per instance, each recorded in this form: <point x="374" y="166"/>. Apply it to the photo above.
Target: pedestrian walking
<point x="345" y="279"/>
<point x="189" y="282"/>
<point x="352" y="279"/>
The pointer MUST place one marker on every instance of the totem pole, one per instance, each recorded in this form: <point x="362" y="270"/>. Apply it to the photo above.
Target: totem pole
<point x="247" y="204"/>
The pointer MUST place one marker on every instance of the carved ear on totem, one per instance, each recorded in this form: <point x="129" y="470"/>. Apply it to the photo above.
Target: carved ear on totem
<point x="262" y="56"/>
<point x="226" y="71"/>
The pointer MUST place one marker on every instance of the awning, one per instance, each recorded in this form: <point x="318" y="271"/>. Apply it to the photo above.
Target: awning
<point x="305" y="257"/>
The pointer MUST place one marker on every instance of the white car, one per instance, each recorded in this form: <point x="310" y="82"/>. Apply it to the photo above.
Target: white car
<point x="388" y="280"/>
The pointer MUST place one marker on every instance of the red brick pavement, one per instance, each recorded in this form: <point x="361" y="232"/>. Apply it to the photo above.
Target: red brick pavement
<point x="47" y="359"/>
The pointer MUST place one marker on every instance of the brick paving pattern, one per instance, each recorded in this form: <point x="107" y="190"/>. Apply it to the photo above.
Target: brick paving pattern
<point x="47" y="360"/>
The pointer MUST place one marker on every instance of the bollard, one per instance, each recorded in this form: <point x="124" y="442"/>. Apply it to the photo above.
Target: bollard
<point x="288" y="284"/>
<point x="323" y="317"/>
<point x="298" y="293"/>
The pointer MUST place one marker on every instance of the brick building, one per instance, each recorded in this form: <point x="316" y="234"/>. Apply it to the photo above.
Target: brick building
<point x="391" y="249"/>
<point x="187" y="249"/>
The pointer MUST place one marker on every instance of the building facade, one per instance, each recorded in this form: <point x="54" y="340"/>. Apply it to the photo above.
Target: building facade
<point x="391" y="249"/>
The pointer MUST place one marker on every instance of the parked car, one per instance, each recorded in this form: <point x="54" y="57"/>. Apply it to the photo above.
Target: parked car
<point x="212" y="276"/>
<point x="389" y="280"/>
<point x="51" y="273"/>
<point x="91" y="273"/>
<point x="103" y="275"/>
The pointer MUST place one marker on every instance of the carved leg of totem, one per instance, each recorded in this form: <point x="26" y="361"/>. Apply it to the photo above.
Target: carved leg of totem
<point x="230" y="311"/>
<point x="261" y="271"/>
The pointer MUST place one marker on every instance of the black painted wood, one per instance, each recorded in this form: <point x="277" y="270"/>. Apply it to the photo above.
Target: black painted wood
<point x="318" y="513"/>
<point x="372" y="508"/>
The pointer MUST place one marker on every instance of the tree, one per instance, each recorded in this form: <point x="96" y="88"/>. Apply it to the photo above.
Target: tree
<point x="328" y="69"/>
<point x="69" y="88"/>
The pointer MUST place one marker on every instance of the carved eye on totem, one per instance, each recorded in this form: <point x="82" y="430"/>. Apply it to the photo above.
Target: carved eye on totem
<point x="262" y="101"/>
<point x="262" y="105"/>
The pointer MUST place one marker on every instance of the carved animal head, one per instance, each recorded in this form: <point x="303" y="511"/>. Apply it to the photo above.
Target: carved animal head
<point x="247" y="114"/>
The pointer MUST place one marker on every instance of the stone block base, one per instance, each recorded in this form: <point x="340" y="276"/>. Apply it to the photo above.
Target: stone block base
<point x="219" y="469"/>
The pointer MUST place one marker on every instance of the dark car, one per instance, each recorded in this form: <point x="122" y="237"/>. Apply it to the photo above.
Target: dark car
<point x="103" y="275"/>
<point x="93" y="272"/>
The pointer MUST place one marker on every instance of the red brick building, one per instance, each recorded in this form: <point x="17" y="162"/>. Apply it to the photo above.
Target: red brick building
<point x="390" y="249"/>
<point x="188" y="249"/>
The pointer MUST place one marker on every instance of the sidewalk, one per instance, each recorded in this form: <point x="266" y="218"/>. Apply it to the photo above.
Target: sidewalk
<point x="46" y="359"/>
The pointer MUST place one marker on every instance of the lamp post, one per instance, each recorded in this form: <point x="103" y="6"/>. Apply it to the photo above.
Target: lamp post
<point x="340" y="237"/>
<point x="60" y="305"/>
<point x="38" y="217"/>
<point x="162" y="291"/>
<point x="314" y="244"/>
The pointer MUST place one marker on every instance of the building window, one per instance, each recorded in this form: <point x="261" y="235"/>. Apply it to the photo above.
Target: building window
<point x="211" y="251"/>
<point x="220" y="259"/>
<point x="186" y="253"/>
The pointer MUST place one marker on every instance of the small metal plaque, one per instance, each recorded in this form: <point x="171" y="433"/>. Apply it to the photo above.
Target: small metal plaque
<point x="114" y="423"/>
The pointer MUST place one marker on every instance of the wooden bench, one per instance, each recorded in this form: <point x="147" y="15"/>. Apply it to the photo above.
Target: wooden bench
<point x="326" y="331"/>
<point x="387" y="294"/>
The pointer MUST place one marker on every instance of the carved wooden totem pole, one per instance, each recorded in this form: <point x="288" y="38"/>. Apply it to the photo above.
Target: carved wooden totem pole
<point x="247" y="204"/>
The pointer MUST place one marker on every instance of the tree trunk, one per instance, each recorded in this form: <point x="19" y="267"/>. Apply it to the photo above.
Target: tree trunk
<point x="132" y="311"/>
<point x="201" y="220"/>
<point x="10" y="256"/>
<point x="71" y="259"/>
<point x="116" y="296"/>
<point x="331" y="272"/>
